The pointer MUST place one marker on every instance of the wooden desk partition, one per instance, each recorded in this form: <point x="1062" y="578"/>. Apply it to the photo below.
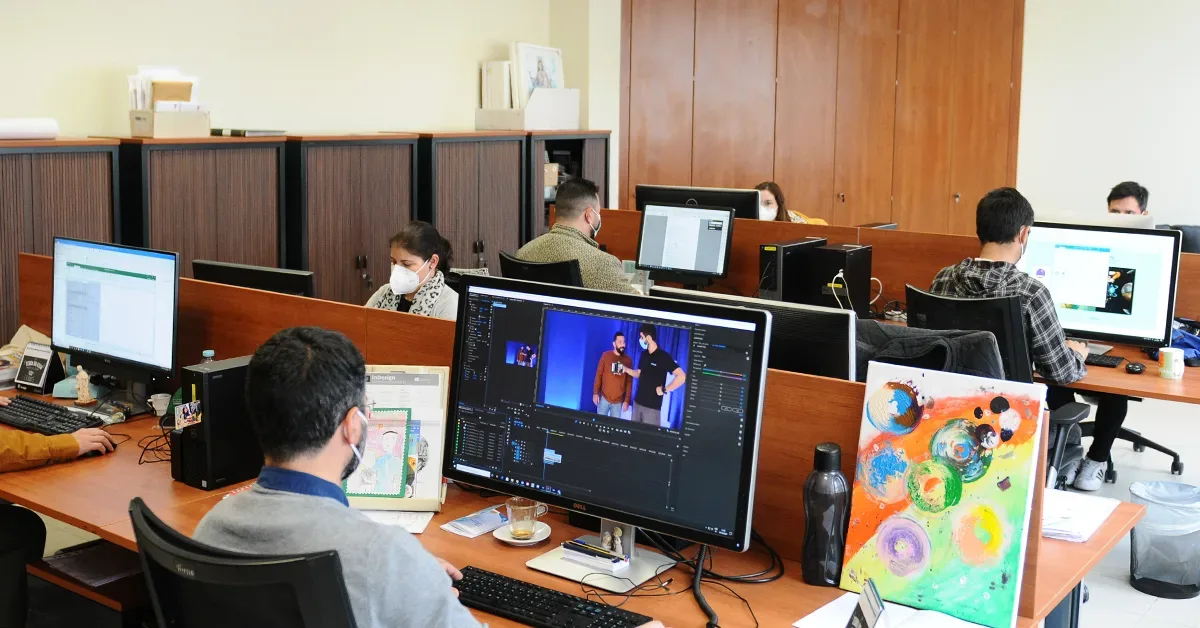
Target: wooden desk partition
<point x="908" y="257"/>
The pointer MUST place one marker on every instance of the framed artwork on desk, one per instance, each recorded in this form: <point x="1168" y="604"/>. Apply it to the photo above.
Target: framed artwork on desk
<point x="535" y="66"/>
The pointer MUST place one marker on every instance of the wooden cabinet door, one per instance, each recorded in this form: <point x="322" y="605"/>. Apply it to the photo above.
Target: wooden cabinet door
<point x="16" y="235"/>
<point x="334" y="231"/>
<point x="662" y="40"/>
<point x="866" y="110"/>
<point x="499" y="199"/>
<point x="247" y="205"/>
<point x="733" y="112"/>
<point x="595" y="168"/>
<point x="72" y="198"/>
<point x="183" y="205"/>
<point x="983" y="84"/>
<point x="384" y="181"/>
<point x="806" y="103"/>
<point x="924" y="115"/>
<point x="456" y="197"/>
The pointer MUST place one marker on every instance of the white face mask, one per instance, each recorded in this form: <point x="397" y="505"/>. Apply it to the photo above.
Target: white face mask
<point x="596" y="229"/>
<point x="404" y="281"/>
<point x="767" y="213"/>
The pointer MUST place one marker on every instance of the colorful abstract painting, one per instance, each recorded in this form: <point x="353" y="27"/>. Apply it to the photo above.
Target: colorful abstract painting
<point x="942" y="491"/>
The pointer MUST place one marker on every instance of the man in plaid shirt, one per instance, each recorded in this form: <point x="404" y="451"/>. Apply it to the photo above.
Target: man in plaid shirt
<point x="1003" y="220"/>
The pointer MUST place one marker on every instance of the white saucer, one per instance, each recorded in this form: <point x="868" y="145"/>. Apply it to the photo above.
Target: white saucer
<point x="540" y="533"/>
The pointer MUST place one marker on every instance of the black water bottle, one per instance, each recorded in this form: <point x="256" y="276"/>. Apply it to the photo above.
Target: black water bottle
<point x="826" y="506"/>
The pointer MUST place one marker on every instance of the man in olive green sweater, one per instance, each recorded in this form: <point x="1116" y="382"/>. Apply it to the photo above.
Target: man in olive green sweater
<point x="22" y="533"/>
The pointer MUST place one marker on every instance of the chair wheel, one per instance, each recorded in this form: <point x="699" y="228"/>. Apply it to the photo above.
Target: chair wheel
<point x="1110" y="477"/>
<point x="1139" y="448"/>
<point x="1177" y="467"/>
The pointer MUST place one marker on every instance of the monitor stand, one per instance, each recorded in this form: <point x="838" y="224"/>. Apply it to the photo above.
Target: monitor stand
<point x="644" y="566"/>
<point x="688" y="280"/>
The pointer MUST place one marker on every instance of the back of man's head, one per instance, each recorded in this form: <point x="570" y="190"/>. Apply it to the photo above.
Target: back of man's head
<point x="574" y="196"/>
<point x="299" y="386"/>
<point x="1000" y="216"/>
<point x="1129" y="189"/>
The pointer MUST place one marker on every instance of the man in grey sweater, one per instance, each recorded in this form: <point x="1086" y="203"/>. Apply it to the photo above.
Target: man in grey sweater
<point x="305" y="392"/>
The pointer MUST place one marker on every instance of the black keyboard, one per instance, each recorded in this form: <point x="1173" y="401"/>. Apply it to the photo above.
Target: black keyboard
<point x="1108" y="361"/>
<point x="43" y="417"/>
<point x="537" y="606"/>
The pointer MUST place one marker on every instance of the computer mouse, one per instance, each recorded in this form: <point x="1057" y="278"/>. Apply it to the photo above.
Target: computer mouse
<point x="1135" y="368"/>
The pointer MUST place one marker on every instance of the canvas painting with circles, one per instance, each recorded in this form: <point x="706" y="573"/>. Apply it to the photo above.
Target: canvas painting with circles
<point x="942" y="491"/>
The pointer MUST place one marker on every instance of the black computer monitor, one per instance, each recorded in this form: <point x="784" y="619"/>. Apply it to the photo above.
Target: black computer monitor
<point x="115" y="308"/>
<point x="282" y="280"/>
<point x="745" y="203"/>
<point x="680" y="460"/>
<point x="1108" y="283"/>
<point x="688" y="244"/>
<point x="1000" y="315"/>
<point x="804" y="338"/>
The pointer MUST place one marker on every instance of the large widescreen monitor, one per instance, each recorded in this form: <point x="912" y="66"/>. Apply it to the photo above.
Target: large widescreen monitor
<point x="115" y="307"/>
<point x="1108" y="283"/>
<point x="635" y="409"/>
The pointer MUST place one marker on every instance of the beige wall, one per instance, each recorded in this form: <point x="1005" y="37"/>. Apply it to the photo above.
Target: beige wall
<point x="1108" y="94"/>
<point x="589" y="34"/>
<point x="299" y="65"/>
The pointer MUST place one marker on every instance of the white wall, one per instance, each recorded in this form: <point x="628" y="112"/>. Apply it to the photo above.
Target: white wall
<point x="299" y="65"/>
<point x="1111" y="92"/>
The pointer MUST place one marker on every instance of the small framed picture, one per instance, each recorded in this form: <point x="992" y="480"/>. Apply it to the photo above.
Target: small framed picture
<point x="535" y="66"/>
<point x="386" y="470"/>
<point x="617" y="538"/>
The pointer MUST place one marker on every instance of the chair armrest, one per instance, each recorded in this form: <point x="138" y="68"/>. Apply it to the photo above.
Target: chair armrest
<point x="1069" y="414"/>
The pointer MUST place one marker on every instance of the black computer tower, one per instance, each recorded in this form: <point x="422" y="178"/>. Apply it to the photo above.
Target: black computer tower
<point x="221" y="449"/>
<point x="780" y="266"/>
<point x="853" y="288"/>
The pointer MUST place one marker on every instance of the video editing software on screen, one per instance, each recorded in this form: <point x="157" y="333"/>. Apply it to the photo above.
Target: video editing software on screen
<point x="637" y="410"/>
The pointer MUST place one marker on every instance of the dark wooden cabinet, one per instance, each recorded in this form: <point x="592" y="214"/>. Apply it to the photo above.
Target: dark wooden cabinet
<point x="212" y="198"/>
<point x="64" y="187"/>
<point x="579" y="154"/>
<point x="347" y="195"/>
<point x="472" y="187"/>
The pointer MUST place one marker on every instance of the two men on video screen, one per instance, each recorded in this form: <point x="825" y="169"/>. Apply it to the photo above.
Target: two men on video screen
<point x="613" y="387"/>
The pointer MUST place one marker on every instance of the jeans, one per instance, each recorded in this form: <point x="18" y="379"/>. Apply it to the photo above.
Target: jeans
<point x="1110" y="414"/>
<point x="608" y="408"/>
<point x="649" y="416"/>
<point x="22" y="540"/>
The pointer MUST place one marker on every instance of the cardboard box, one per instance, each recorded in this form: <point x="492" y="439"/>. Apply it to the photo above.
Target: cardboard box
<point x="548" y="110"/>
<point x="169" y="124"/>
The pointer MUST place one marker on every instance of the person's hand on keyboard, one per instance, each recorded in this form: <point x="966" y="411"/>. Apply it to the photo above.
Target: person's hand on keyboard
<point x="451" y="571"/>
<point x="97" y="440"/>
<point x="4" y="401"/>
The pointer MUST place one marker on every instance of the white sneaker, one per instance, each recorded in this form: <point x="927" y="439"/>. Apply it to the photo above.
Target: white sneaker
<point x="1070" y="472"/>
<point x="1091" y="475"/>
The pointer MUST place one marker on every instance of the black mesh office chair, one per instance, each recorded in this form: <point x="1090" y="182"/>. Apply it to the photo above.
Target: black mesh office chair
<point x="1002" y="316"/>
<point x="193" y="585"/>
<point x="561" y="273"/>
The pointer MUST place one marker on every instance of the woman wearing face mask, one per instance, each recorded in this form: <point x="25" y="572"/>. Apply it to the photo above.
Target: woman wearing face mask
<point x="417" y="286"/>
<point x="774" y="208"/>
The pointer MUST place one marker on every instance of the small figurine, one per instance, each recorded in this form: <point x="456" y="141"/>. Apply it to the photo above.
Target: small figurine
<point x="606" y="542"/>
<point x="616" y="541"/>
<point x="83" y="389"/>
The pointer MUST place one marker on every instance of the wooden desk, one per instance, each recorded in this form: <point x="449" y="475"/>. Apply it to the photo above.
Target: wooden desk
<point x="799" y="412"/>
<point x="1147" y="385"/>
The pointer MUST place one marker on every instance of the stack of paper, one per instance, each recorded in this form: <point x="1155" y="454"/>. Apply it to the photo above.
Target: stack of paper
<point x="1074" y="517"/>
<point x="496" y="85"/>
<point x="414" y="522"/>
<point x="836" y="614"/>
<point x="478" y="522"/>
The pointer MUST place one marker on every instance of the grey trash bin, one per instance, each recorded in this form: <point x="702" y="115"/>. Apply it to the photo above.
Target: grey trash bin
<point x="1164" y="560"/>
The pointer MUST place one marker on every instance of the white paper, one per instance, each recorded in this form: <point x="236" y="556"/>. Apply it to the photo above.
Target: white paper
<point x="478" y="522"/>
<point x="836" y="614"/>
<point x="1074" y="517"/>
<point x="405" y="390"/>
<point x="28" y="128"/>
<point x="423" y="394"/>
<point x="414" y="522"/>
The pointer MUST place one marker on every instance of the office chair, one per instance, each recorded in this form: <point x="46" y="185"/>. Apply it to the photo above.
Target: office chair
<point x="561" y="273"/>
<point x="1002" y="316"/>
<point x="193" y="585"/>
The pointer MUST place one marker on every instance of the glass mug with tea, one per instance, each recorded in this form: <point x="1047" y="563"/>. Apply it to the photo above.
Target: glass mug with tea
<point x="522" y="517"/>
